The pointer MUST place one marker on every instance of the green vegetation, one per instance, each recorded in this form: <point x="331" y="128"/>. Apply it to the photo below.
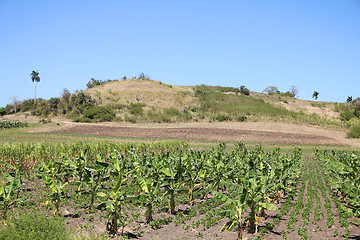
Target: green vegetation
<point x="354" y="132"/>
<point x="7" y="125"/>
<point x="240" y="185"/>
<point x="94" y="83"/>
<point x="100" y="103"/>
<point x="34" y="226"/>
<point x="35" y="78"/>
<point x="29" y="154"/>
<point x="96" y="114"/>
<point x="213" y="102"/>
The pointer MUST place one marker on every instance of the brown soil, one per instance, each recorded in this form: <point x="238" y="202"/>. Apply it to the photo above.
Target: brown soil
<point x="217" y="134"/>
<point x="254" y="132"/>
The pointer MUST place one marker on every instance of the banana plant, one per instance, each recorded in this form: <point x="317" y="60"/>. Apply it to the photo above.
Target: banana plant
<point x="172" y="179"/>
<point x="78" y="164"/>
<point x="9" y="193"/>
<point x="94" y="177"/>
<point x="258" y="185"/>
<point x="112" y="206"/>
<point x="54" y="174"/>
<point x="218" y="166"/>
<point x="193" y="166"/>
<point x="149" y="195"/>
<point x="235" y="211"/>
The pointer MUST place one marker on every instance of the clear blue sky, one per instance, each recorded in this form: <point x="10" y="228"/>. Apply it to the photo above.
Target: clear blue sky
<point x="312" y="44"/>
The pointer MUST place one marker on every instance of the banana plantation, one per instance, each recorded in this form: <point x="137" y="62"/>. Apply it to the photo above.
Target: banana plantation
<point x="137" y="192"/>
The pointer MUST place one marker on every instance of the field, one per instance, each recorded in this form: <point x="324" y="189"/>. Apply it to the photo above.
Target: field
<point x="292" y="187"/>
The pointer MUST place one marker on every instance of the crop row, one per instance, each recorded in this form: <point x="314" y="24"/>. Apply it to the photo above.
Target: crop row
<point x="29" y="154"/>
<point x="244" y="183"/>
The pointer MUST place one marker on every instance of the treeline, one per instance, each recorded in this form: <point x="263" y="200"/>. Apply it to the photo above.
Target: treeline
<point x="72" y="105"/>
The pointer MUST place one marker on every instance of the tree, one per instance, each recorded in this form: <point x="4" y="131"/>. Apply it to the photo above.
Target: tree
<point x="15" y="102"/>
<point x="35" y="78"/>
<point x="294" y="91"/>
<point x="2" y="111"/>
<point x="315" y="95"/>
<point x="349" y="99"/>
<point x="271" y="90"/>
<point x="244" y="90"/>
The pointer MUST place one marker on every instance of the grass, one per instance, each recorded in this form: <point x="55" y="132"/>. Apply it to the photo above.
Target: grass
<point x="34" y="226"/>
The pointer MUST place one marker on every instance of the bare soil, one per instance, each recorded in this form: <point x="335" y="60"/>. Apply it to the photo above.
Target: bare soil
<point x="249" y="132"/>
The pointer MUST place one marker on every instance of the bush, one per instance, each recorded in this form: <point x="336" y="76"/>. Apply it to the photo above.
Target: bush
<point x="28" y="105"/>
<point x="96" y="114"/>
<point x="82" y="119"/>
<point x="35" y="227"/>
<point x="137" y="108"/>
<point x="172" y="112"/>
<point x="354" y="132"/>
<point x="2" y="111"/>
<point x="129" y="118"/>
<point x="346" y="115"/>
<point x="241" y="118"/>
<point x="222" y="117"/>
<point x="244" y="90"/>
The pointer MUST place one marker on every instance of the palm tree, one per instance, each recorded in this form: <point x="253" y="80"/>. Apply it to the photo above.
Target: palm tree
<point x="315" y="95"/>
<point x="35" y="78"/>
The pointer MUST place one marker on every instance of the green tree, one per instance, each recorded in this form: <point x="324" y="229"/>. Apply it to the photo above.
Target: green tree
<point x="2" y="111"/>
<point x="244" y="90"/>
<point x="315" y="95"/>
<point x="35" y="78"/>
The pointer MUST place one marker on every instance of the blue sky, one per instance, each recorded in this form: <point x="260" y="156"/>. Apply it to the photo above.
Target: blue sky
<point x="312" y="44"/>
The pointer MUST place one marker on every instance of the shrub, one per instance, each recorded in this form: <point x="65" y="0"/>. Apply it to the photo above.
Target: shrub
<point x="354" y="132"/>
<point x="82" y="119"/>
<point x="222" y="117"/>
<point x="129" y="118"/>
<point x="346" y="115"/>
<point x="137" y="108"/>
<point x="288" y="94"/>
<point x="244" y="90"/>
<point x="28" y="105"/>
<point x="35" y="227"/>
<point x="172" y="112"/>
<point x="2" y="111"/>
<point x="241" y="118"/>
<point x="99" y="114"/>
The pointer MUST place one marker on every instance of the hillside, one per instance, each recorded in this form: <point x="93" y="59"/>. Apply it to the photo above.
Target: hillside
<point x="160" y="95"/>
<point x="152" y="93"/>
<point x="202" y="103"/>
<point x="200" y="113"/>
<point x="148" y="101"/>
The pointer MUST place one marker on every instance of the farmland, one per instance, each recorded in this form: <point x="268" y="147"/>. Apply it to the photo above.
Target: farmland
<point x="170" y="189"/>
<point x="263" y="177"/>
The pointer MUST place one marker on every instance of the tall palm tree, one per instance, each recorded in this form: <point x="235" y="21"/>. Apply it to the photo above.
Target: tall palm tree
<point x="35" y="78"/>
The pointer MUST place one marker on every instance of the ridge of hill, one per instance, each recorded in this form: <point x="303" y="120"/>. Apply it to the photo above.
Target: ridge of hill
<point x="157" y="95"/>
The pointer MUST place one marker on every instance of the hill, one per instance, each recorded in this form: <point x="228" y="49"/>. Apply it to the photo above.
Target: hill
<point x="154" y="94"/>
<point x="142" y="100"/>
<point x="148" y="101"/>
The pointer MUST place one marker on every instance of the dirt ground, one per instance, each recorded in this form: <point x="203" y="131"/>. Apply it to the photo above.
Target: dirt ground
<point x="248" y="132"/>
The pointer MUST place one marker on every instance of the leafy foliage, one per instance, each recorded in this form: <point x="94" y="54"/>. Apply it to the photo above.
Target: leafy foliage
<point x="7" y="125"/>
<point x="354" y="132"/>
